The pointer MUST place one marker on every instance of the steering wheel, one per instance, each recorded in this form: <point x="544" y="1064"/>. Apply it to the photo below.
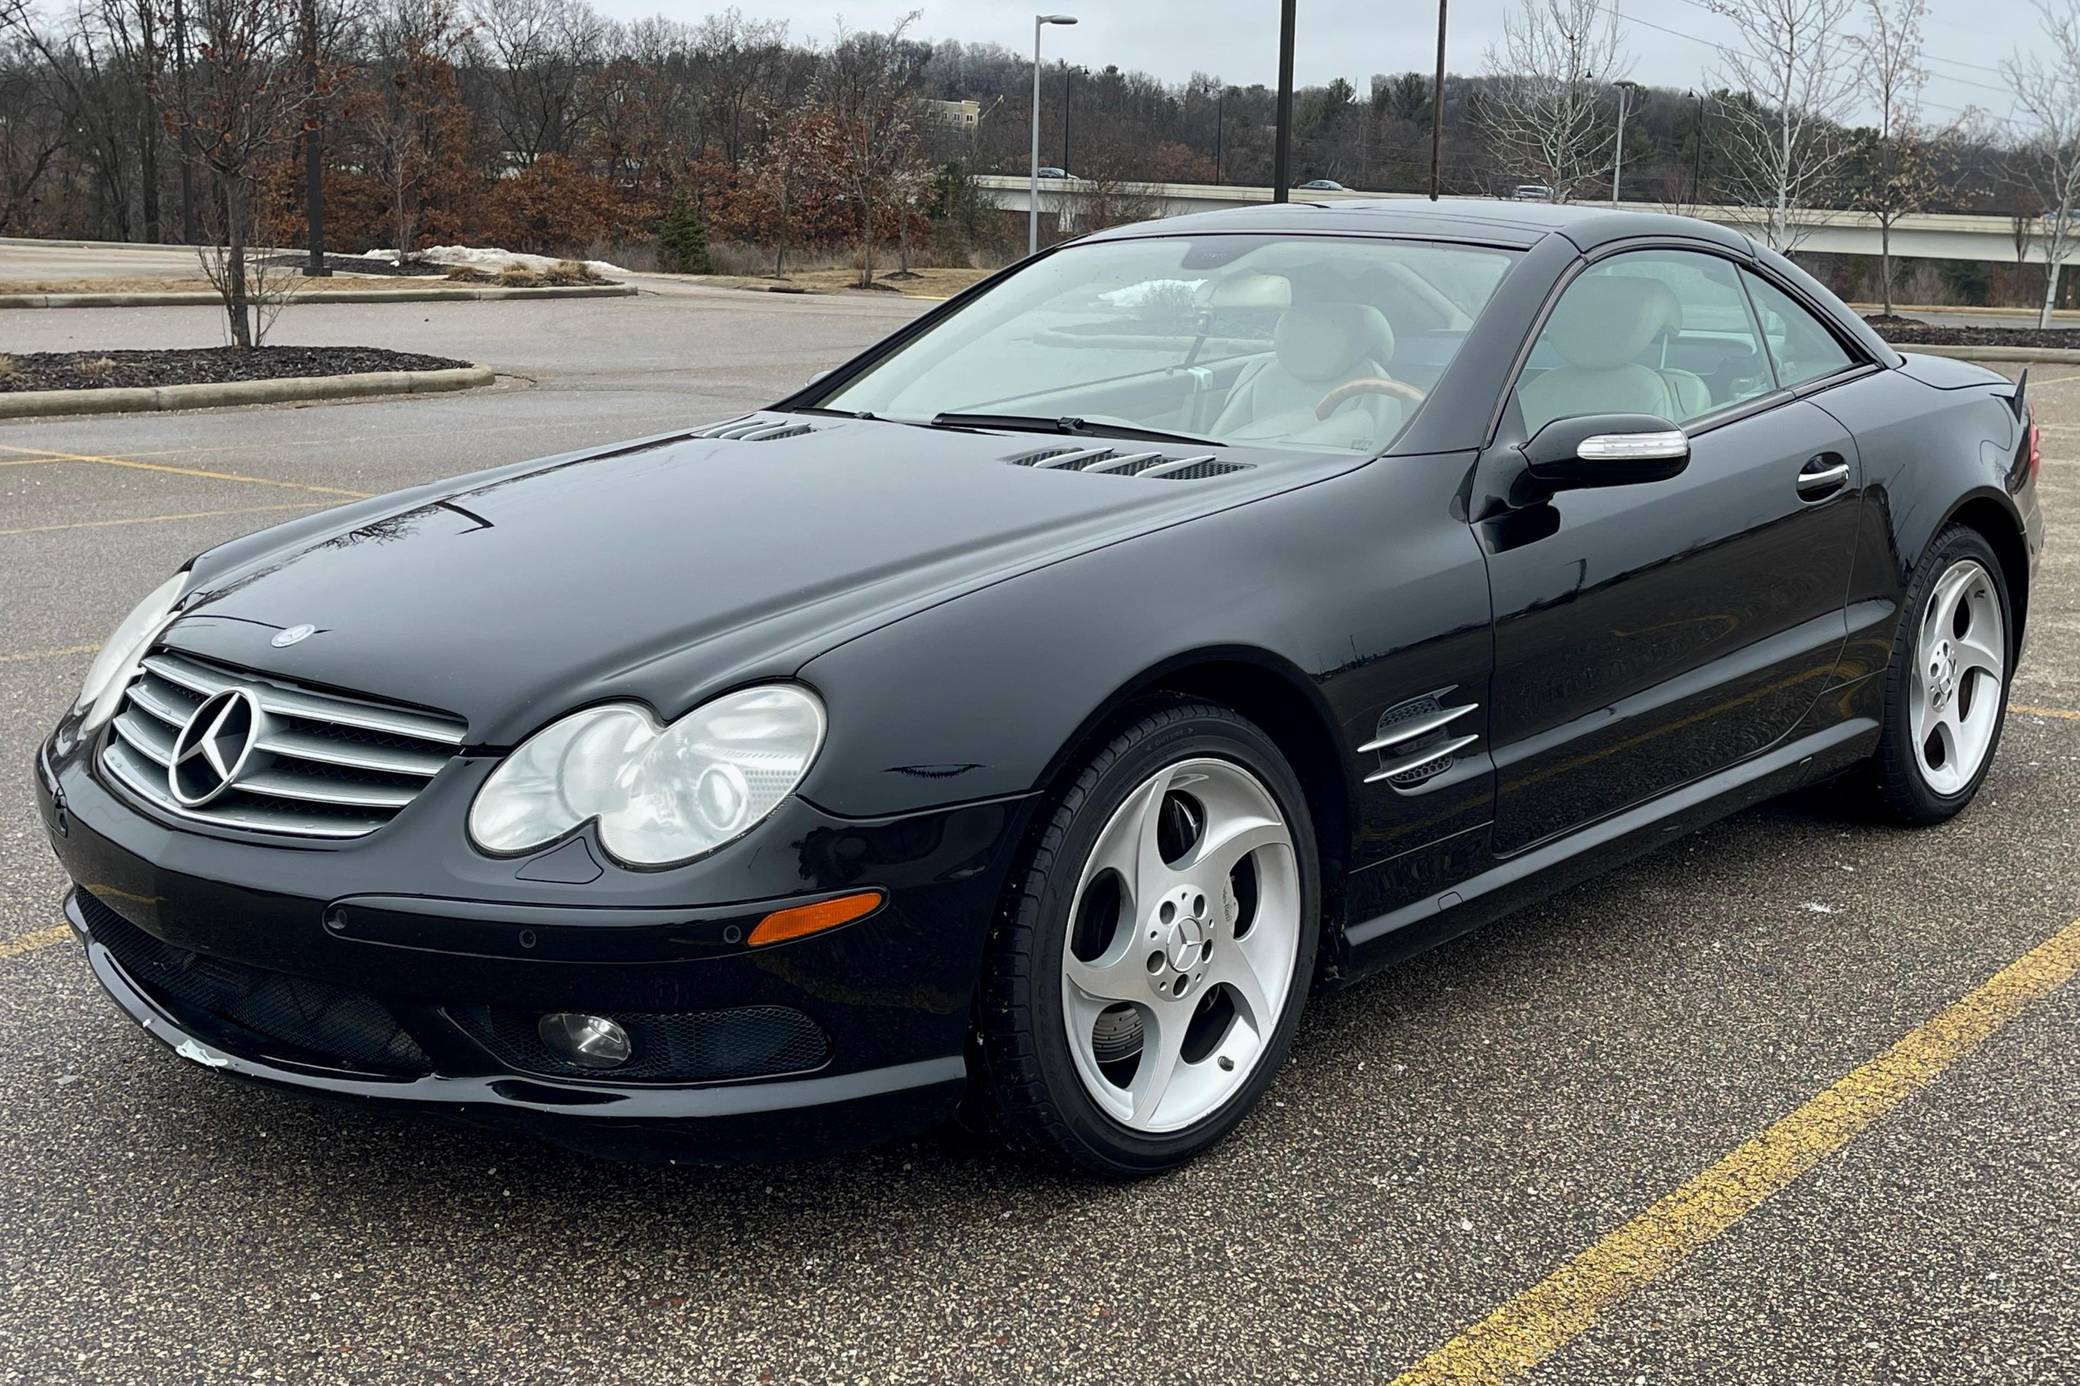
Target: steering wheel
<point x="1370" y="385"/>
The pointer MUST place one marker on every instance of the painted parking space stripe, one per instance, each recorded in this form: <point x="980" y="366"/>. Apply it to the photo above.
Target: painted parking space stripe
<point x="62" y="652"/>
<point x="35" y="941"/>
<point x="2065" y="713"/>
<point x="1545" y="1318"/>
<point x="162" y="519"/>
<point x="187" y="471"/>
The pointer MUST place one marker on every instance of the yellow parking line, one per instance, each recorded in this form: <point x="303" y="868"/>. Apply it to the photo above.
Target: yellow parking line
<point x="2065" y="712"/>
<point x="157" y="519"/>
<point x="193" y="471"/>
<point x="30" y="942"/>
<point x="28" y="461"/>
<point x="1551" y="1314"/>
<point x="31" y="656"/>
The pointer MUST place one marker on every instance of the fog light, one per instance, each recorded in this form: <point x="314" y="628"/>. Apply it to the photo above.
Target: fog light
<point x="586" y="1041"/>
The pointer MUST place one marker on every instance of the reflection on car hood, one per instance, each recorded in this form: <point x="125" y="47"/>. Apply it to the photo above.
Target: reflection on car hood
<point x="670" y="569"/>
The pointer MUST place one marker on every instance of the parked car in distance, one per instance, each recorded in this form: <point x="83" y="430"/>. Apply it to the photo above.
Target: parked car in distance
<point x="1023" y="719"/>
<point x="1322" y="185"/>
<point x="1050" y="171"/>
<point x="1531" y="192"/>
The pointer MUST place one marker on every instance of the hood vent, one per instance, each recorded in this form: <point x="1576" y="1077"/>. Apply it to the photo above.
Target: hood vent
<point x="754" y="429"/>
<point x="1114" y="461"/>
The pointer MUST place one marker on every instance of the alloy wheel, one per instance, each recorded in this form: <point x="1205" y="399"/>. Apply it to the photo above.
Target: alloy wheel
<point x="1183" y="936"/>
<point x="1960" y="659"/>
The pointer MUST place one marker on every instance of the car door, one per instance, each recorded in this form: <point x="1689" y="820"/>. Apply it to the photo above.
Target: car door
<point x="1650" y="634"/>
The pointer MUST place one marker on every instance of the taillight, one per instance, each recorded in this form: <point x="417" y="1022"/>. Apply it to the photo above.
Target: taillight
<point x="2036" y="446"/>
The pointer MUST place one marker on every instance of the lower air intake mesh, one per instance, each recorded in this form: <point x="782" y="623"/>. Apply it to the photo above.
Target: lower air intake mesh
<point x="251" y="1011"/>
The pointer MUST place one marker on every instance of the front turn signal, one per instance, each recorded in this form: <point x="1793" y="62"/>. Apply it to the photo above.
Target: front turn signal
<point x="799" y="921"/>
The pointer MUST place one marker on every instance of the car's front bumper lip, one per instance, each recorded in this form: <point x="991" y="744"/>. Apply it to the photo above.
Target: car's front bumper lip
<point x="765" y="1119"/>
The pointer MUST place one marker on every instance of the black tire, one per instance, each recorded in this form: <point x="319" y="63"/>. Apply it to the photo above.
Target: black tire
<point x="1026" y="1080"/>
<point x="1896" y="786"/>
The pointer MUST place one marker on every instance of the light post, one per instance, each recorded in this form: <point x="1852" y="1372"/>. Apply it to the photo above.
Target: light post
<point x="1040" y="21"/>
<point x="1626" y="87"/>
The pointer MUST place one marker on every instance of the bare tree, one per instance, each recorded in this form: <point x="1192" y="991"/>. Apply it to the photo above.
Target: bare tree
<point x="534" y="56"/>
<point x="1900" y="165"/>
<point x="411" y="121"/>
<point x="2046" y="82"/>
<point x="870" y="88"/>
<point x="1792" y="58"/>
<point x="1542" y="110"/>
<point x="243" y="105"/>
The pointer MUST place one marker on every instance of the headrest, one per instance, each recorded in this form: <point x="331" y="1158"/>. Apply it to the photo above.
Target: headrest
<point x="1323" y="341"/>
<point x="1607" y="320"/>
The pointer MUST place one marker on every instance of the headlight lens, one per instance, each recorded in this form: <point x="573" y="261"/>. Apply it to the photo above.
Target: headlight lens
<point x="117" y="663"/>
<point x="662" y="795"/>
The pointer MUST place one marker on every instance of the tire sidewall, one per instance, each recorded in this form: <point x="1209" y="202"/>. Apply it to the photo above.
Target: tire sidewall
<point x="1214" y="735"/>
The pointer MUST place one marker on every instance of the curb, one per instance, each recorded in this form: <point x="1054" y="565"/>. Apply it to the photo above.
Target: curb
<point x="2047" y="355"/>
<point x="185" y="300"/>
<point x="139" y="399"/>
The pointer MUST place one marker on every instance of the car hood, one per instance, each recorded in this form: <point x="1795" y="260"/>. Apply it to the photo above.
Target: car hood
<point x="670" y="569"/>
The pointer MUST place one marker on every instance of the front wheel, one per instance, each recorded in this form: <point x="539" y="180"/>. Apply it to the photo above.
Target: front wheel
<point x="1148" y="973"/>
<point x="1946" y="693"/>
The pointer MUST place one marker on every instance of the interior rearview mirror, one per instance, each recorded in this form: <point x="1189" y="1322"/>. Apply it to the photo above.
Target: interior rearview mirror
<point x="1607" y="450"/>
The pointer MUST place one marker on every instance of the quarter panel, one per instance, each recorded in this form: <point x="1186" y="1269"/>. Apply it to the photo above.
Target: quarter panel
<point x="1925" y="451"/>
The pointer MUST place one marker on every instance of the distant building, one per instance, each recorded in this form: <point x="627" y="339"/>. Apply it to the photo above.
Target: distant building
<point x="958" y="115"/>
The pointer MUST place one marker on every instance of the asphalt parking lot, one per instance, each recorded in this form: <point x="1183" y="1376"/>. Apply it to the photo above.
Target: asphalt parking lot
<point x="1793" y="1100"/>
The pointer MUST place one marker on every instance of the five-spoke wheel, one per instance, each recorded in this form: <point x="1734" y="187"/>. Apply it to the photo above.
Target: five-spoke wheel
<point x="1181" y="944"/>
<point x="1143" y="987"/>
<point x="1946" y="693"/>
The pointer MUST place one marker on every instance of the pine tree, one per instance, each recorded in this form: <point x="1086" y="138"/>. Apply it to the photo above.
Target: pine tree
<point x="682" y="241"/>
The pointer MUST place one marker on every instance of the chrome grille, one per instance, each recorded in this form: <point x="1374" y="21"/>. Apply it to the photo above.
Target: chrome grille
<point x="322" y="765"/>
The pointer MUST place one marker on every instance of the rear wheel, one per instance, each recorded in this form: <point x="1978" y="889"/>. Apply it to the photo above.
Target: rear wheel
<point x="1946" y="692"/>
<point x="1147" y="976"/>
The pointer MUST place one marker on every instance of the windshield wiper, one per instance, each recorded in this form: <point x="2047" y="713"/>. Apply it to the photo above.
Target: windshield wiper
<point x="1083" y="428"/>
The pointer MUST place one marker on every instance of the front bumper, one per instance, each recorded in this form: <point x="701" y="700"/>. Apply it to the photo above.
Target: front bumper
<point x="282" y="963"/>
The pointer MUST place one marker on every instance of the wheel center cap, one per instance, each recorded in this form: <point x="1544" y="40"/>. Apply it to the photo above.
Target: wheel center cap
<point x="1186" y="942"/>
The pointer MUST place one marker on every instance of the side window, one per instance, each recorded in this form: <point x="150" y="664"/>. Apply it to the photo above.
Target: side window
<point x="1801" y="347"/>
<point x="1661" y="332"/>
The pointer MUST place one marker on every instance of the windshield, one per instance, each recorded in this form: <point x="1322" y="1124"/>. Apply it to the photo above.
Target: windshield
<point x="1281" y="341"/>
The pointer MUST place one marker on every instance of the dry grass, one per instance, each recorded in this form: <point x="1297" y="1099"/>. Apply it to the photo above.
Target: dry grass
<point x="519" y="277"/>
<point x="7" y="366"/>
<point x="937" y="281"/>
<point x="98" y="368"/>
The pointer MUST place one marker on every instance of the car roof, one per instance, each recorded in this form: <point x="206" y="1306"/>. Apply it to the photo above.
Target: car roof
<point x="1492" y="221"/>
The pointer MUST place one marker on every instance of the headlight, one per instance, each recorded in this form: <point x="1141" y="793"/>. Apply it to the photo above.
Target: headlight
<point x="661" y="794"/>
<point x="117" y="663"/>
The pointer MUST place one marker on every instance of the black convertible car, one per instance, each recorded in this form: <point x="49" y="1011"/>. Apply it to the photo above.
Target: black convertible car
<point x="1025" y="716"/>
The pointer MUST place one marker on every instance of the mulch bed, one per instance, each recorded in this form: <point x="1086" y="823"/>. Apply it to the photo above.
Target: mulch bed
<point x="1905" y="332"/>
<point x="355" y="264"/>
<point x="81" y="370"/>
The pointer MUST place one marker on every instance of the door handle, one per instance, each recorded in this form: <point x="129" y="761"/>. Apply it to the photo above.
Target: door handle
<point x="1822" y="476"/>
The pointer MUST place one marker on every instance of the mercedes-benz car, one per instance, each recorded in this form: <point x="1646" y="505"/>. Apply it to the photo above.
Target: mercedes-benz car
<point x="1020" y="721"/>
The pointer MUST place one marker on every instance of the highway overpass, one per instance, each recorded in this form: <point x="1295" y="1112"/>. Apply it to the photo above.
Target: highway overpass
<point x="1927" y="236"/>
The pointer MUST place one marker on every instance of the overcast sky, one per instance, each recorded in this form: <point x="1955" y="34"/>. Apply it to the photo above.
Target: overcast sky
<point x="1238" y="39"/>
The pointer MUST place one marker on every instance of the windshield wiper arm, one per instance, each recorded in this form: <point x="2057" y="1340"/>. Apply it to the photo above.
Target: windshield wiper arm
<point x="1076" y="427"/>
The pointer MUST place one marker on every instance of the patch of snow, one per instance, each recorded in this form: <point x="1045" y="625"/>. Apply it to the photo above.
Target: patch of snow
<point x="1148" y="291"/>
<point x="490" y="259"/>
<point x="208" y="1058"/>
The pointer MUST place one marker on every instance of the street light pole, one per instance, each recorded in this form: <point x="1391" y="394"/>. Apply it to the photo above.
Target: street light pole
<point x="1697" y="158"/>
<point x="1625" y="89"/>
<point x="1040" y="21"/>
<point x="1220" y="103"/>
<point x="1437" y="110"/>
<point x="1281" y="153"/>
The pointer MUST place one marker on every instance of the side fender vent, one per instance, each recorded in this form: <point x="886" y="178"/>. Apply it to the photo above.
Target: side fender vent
<point x="1111" y="461"/>
<point x="754" y="428"/>
<point x="1416" y="740"/>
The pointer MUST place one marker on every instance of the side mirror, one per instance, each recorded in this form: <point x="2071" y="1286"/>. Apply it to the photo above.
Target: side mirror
<point x="1607" y="450"/>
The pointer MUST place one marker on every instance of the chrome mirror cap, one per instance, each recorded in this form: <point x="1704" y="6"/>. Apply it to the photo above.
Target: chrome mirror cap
<point x="1666" y="445"/>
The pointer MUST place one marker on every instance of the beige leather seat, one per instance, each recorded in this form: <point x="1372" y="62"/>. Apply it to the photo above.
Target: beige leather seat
<point x="1317" y="347"/>
<point x="1599" y="329"/>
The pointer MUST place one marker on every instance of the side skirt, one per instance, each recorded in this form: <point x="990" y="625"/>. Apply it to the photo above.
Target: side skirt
<point x="1544" y="871"/>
